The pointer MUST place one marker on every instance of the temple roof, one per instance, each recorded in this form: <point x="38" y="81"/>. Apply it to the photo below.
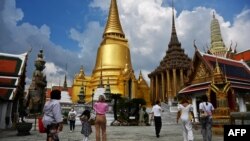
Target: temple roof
<point x="245" y="56"/>
<point x="205" y="86"/>
<point x="231" y="68"/>
<point x="175" y="57"/>
<point x="237" y="73"/>
<point x="11" y="72"/>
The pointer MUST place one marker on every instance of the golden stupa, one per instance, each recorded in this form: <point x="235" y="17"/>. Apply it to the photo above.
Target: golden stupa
<point x="113" y="65"/>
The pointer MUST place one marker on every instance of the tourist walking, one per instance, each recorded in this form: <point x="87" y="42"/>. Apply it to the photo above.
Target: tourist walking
<point x="86" y="126"/>
<point x="101" y="107"/>
<point x="206" y="108"/>
<point x="156" y="113"/>
<point x="72" y="119"/>
<point x="52" y="117"/>
<point x="185" y="113"/>
<point x="141" y="116"/>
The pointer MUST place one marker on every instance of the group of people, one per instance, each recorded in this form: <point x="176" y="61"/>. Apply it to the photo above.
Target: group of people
<point x="53" y="121"/>
<point x="186" y="115"/>
<point x="52" y="118"/>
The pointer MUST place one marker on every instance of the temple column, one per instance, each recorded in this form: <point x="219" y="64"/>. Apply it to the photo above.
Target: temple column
<point x="3" y="110"/>
<point x="195" y="109"/>
<point x="242" y="105"/>
<point x="134" y="86"/>
<point x="8" y="114"/>
<point x="162" y="87"/>
<point x="169" y="89"/>
<point x="151" y="89"/>
<point x="157" y="88"/>
<point x="174" y="83"/>
<point x="181" y="78"/>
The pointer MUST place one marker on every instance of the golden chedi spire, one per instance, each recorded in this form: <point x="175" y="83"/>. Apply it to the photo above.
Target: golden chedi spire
<point x="113" y="68"/>
<point x="113" y="26"/>
<point x="217" y="45"/>
<point x="113" y="54"/>
<point x="218" y="77"/>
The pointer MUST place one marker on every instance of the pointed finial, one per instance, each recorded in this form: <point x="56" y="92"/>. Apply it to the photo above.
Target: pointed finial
<point x="217" y="66"/>
<point x="113" y="25"/>
<point x="213" y="15"/>
<point x="196" y="49"/>
<point x="235" y="51"/>
<point x="173" y="39"/>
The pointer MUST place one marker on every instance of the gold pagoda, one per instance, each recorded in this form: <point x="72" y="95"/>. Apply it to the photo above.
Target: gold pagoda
<point x="113" y="65"/>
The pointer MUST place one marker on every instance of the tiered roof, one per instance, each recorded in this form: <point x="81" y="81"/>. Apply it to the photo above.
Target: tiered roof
<point x="12" y="74"/>
<point x="175" y="57"/>
<point x="235" y="72"/>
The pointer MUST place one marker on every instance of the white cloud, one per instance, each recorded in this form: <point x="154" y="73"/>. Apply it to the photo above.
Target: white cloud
<point x="55" y="75"/>
<point x="147" y="26"/>
<point x="89" y="41"/>
<point x="17" y="37"/>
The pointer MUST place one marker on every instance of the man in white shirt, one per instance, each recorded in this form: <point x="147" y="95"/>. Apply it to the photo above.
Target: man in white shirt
<point x="156" y="111"/>
<point x="206" y="122"/>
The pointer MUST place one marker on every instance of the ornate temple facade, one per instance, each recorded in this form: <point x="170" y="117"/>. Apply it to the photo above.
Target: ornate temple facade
<point x="224" y="80"/>
<point x="113" y="64"/>
<point x="170" y="76"/>
<point x="12" y="85"/>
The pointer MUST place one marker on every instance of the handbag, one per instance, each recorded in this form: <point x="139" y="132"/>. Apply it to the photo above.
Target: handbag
<point x="204" y="114"/>
<point x="41" y="127"/>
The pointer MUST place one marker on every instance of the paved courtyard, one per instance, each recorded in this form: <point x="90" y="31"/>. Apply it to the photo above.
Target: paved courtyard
<point x="171" y="132"/>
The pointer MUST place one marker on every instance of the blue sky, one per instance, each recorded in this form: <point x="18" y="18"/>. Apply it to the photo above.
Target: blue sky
<point x="70" y="31"/>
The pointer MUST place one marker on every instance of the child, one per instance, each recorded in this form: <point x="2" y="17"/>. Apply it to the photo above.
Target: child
<point x="86" y="127"/>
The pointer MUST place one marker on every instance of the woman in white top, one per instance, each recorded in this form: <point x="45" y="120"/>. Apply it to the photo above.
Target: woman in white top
<point x="72" y="119"/>
<point x="185" y="113"/>
<point x="206" y="121"/>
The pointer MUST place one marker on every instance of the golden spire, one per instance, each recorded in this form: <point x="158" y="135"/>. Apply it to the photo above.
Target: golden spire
<point x="113" y="26"/>
<point x="218" y="76"/>
<point x="81" y="74"/>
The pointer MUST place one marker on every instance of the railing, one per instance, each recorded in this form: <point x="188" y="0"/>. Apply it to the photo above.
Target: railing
<point x="243" y="116"/>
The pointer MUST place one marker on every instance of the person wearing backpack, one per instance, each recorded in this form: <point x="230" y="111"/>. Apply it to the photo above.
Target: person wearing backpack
<point x="206" y="108"/>
<point x="72" y="119"/>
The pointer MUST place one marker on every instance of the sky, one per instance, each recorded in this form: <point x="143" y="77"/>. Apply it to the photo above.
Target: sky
<point x="70" y="31"/>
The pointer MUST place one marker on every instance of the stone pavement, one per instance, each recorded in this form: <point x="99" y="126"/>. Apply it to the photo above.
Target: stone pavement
<point x="170" y="132"/>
